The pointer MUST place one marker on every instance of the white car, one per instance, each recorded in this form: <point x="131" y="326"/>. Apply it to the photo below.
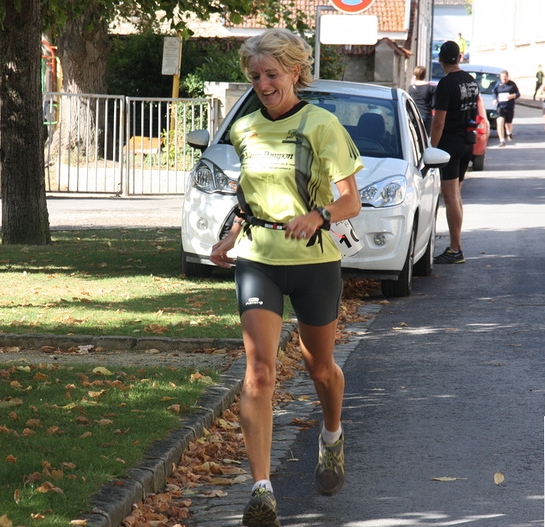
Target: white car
<point x="399" y="185"/>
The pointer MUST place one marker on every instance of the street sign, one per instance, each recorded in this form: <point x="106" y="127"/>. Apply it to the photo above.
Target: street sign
<point x="355" y="30"/>
<point x="172" y="54"/>
<point x="351" y="6"/>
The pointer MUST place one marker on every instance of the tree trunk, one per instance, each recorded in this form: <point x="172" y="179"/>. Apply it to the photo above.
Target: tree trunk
<point x="25" y="219"/>
<point x="83" y="55"/>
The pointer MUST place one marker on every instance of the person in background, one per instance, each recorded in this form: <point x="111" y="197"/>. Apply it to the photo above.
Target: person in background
<point x="290" y="153"/>
<point x="540" y="76"/>
<point x="456" y="110"/>
<point x="423" y="94"/>
<point x="505" y="94"/>
<point x="540" y="94"/>
<point x="462" y="44"/>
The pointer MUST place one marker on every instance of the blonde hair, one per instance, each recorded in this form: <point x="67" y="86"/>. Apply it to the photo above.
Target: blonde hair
<point x="419" y="73"/>
<point x="287" y="48"/>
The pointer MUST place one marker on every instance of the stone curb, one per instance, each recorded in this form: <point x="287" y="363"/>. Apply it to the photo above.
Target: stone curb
<point x="110" y="343"/>
<point x="114" y="501"/>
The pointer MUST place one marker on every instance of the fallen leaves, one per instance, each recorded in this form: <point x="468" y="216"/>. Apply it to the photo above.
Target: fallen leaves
<point x="499" y="478"/>
<point x="47" y="486"/>
<point x="156" y="329"/>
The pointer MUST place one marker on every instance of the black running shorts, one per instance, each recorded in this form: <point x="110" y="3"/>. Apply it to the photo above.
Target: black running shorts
<point x="458" y="164"/>
<point x="314" y="289"/>
<point x="507" y="113"/>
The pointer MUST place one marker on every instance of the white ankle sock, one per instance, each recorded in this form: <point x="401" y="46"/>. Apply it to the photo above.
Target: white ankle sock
<point x="263" y="483"/>
<point x="331" y="437"/>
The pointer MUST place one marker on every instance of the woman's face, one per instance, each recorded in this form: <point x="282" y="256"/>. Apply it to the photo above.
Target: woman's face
<point x="273" y="85"/>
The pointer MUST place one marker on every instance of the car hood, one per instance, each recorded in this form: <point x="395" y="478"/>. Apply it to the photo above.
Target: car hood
<point x="375" y="169"/>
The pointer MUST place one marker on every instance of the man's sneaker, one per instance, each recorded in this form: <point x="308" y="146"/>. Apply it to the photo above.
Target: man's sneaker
<point x="502" y="143"/>
<point x="261" y="510"/>
<point x="329" y="473"/>
<point x="450" y="257"/>
<point x="509" y="137"/>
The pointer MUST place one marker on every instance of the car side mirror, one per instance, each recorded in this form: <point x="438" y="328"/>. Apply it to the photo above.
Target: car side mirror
<point x="198" y="139"/>
<point x="435" y="158"/>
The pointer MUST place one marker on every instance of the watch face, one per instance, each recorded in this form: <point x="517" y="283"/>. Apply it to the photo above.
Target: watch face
<point x="326" y="215"/>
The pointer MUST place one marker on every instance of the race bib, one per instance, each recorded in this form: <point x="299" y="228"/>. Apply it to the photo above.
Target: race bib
<point x="345" y="238"/>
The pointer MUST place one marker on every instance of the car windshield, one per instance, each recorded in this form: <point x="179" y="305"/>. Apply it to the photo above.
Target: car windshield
<point x="371" y="122"/>
<point x="486" y="81"/>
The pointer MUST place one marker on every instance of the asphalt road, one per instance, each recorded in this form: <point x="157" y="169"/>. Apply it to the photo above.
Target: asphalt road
<point x="72" y="212"/>
<point x="450" y="381"/>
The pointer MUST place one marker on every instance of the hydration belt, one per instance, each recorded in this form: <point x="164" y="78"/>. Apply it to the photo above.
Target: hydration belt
<point x="252" y="220"/>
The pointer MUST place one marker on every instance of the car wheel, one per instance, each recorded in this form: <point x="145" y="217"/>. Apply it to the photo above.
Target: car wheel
<point x="192" y="269"/>
<point x="402" y="286"/>
<point x="478" y="163"/>
<point x="424" y="266"/>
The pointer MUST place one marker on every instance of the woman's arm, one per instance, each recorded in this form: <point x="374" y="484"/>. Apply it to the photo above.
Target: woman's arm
<point x="347" y="205"/>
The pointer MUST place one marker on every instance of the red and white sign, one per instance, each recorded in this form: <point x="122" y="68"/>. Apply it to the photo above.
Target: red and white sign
<point x="351" y="6"/>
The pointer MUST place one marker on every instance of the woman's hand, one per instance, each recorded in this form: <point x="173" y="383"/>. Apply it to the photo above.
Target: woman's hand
<point x="303" y="227"/>
<point x="347" y="205"/>
<point x="219" y="252"/>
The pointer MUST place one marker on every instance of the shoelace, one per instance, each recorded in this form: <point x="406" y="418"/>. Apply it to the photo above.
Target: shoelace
<point x="330" y="459"/>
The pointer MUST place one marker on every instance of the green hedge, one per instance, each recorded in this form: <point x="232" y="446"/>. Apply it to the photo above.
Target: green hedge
<point x="134" y="65"/>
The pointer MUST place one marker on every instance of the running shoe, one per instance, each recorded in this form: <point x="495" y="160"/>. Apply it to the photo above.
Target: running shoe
<point x="261" y="510"/>
<point x="329" y="473"/>
<point x="450" y="257"/>
<point x="502" y="143"/>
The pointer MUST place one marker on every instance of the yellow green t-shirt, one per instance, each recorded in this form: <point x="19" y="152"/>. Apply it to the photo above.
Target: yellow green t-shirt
<point x="287" y="167"/>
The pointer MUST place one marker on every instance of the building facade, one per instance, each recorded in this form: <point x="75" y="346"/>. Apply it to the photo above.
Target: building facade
<point x="511" y="35"/>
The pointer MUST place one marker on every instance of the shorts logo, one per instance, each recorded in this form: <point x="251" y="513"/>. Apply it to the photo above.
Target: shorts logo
<point x="254" y="301"/>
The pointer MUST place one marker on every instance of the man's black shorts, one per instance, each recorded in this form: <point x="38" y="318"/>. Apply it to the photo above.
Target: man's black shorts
<point x="507" y="113"/>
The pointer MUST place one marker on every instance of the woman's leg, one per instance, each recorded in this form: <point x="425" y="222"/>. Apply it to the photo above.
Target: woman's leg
<point x="317" y="345"/>
<point x="261" y="331"/>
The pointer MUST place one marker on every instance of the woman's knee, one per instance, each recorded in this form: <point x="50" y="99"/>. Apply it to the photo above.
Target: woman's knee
<point x="259" y="378"/>
<point x="323" y="372"/>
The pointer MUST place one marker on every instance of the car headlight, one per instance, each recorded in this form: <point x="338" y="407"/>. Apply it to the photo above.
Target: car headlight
<point x="385" y="193"/>
<point x="210" y="178"/>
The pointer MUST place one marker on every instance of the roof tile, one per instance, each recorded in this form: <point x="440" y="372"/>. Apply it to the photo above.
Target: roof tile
<point x="390" y="14"/>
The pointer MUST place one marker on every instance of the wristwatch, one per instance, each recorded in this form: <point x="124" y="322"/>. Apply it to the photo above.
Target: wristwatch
<point x="326" y="216"/>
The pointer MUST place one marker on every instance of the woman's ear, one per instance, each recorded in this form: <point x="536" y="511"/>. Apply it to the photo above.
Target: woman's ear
<point x="296" y="73"/>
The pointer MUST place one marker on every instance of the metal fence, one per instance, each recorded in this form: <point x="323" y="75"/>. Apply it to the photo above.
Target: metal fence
<point x="104" y="144"/>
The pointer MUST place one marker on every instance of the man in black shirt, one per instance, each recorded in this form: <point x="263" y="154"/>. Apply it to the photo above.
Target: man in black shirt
<point x="452" y="130"/>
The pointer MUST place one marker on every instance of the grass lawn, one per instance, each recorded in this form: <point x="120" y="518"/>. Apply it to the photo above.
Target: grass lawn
<point x="67" y="430"/>
<point x="122" y="282"/>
